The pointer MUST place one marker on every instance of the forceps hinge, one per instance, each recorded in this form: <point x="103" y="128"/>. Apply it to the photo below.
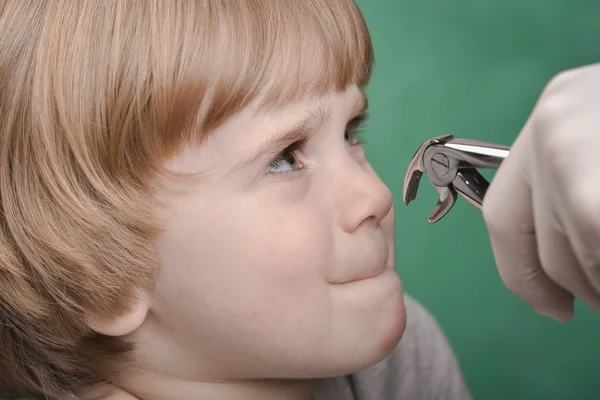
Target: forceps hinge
<point x="451" y="165"/>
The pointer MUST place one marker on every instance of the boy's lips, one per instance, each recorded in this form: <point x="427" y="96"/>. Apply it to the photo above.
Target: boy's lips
<point x="365" y="270"/>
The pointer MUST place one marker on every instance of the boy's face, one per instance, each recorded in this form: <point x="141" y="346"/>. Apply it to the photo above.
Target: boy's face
<point x="276" y="263"/>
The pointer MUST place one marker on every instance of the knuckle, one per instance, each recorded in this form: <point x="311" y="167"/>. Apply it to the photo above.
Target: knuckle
<point x="506" y="216"/>
<point x="554" y="136"/>
<point x="558" y="99"/>
<point x="549" y="116"/>
<point x="560" y="80"/>
<point x="491" y="210"/>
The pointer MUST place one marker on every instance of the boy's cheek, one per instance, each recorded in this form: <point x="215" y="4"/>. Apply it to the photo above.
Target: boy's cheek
<point x="247" y="264"/>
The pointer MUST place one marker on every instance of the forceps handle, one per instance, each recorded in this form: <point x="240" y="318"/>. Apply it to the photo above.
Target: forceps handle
<point x="475" y="154"/>
<point x="472" y="186"/>
<point x="472" y="154"/>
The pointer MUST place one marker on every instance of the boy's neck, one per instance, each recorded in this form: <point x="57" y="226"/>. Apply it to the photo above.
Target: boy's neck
<point x="169" y="388"/>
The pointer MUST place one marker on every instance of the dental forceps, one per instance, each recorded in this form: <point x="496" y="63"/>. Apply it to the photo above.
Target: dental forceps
<point x="451" y="166"/>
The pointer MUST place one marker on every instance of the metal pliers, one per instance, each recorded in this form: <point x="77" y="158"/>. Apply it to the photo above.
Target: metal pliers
<point x="451" y="166"/>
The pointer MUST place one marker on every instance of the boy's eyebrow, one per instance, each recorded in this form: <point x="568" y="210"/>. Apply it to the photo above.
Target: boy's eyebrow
<point x="316" y="119"/>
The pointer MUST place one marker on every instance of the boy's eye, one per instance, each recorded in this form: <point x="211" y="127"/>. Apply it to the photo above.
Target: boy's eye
<point x="351" y="139"/>
<point x="353" y="130"/>
<point x="286" y="161"/>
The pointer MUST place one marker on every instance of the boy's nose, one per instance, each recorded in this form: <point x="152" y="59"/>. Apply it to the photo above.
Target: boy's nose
<point x="362" y="197"/>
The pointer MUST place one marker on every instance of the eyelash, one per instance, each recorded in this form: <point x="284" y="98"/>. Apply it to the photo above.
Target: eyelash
<point x="287" y="153"/>
<point x="353" y="130"/>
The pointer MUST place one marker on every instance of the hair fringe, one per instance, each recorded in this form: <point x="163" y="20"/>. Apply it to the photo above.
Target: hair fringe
<point x="95" y="95"/>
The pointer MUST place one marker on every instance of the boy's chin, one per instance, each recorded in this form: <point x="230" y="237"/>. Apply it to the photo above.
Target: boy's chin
<point x="382" y="339"/>
<point x="371" y="335"/>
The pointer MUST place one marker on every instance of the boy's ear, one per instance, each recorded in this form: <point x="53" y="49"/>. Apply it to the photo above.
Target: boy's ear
<point x="125" y="323"/>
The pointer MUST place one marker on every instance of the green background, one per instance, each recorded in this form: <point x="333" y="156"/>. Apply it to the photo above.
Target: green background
<point x="475" y="68"/>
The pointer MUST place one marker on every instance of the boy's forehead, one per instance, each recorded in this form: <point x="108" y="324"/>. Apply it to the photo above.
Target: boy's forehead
<point x="257" y="126"/>
<point x="251" y="128"/>
<point x="352" y="97"/>
<point x="248" y="131"/>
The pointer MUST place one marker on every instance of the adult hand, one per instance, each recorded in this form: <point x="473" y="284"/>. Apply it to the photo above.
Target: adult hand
<point x="542" y="209"/>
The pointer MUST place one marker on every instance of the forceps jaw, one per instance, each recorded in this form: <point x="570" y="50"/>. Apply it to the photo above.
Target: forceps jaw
<point x="446" y="200"/>
<point x="451" y="166"/>
<point x="414" y="174"/>
<point x="416" y="168"/>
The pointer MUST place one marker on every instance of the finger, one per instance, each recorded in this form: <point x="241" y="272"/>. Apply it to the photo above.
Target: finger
<point x="569" y="148"/>
<point x="508" y="213"/>
<point x="590" y="264"/>
<point x="579" y="201"/>
<point x="583" y="225"/>
<point x="556" y="255"/>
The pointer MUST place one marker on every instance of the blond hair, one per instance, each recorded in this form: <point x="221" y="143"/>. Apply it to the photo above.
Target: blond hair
<point x="94" y="96"/>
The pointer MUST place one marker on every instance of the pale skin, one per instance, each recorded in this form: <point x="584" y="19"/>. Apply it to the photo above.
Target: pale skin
<point x="278" y="269"/>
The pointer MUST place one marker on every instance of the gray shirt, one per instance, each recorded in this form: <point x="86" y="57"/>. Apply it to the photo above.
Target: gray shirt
<point x="421" y="367"/>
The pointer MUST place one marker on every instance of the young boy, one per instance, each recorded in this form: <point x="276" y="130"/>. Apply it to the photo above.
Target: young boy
<point x="187" y="212"/>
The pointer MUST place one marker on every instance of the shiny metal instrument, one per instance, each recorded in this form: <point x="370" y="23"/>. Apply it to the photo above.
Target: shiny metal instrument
<point x="451" y="165"/>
